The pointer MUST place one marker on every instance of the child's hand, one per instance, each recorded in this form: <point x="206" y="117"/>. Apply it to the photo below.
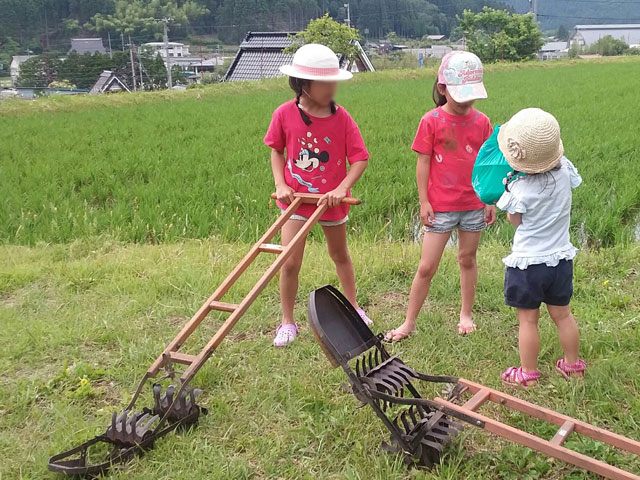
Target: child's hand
<point x="284" y="194"/>
<point x="427" y="215"/>
<point x="490" y="214"/>
<point x="334" y="197"/>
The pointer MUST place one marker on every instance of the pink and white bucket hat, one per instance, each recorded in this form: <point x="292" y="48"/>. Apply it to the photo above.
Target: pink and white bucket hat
<point x="316" y="62"/>
<point x="462" y="73"/>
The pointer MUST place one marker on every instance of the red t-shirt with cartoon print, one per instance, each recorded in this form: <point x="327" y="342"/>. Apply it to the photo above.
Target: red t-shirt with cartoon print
<point x="316" y="155"/>
<point x="453" y="142"/>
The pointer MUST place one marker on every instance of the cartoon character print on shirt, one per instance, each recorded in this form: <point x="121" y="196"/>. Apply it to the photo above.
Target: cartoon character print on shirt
<point x="310" y="158"/>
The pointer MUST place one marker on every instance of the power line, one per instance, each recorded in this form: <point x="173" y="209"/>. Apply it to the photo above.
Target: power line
<point x="590" y="18"/>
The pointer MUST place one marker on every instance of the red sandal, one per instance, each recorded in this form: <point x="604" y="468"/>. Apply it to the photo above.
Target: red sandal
<point x="517" y="377"/>
<point x="571" y="370"/>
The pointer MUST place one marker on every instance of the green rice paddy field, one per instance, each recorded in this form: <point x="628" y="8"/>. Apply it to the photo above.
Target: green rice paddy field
<point x="121" y="214"/>
<point x="157" y="168"/>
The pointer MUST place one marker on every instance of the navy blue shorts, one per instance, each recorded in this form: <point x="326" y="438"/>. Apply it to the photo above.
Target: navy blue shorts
<point x="539" y="284"/>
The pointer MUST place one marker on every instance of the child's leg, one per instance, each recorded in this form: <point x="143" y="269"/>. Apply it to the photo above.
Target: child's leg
<point x="339" y="252"/>
<point x="467" y="247"/>
<point x="290" y="270"/>
<point x="567" y="331"/>
<point x="529" y="339"/>
<point x="432" y="247"/>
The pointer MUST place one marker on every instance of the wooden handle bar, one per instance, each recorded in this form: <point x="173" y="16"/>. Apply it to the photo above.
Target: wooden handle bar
<point x="313" y="198"/>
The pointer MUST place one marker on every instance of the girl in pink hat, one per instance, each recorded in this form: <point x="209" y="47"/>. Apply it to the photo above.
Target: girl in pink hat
<point x="312" y="139"/>
<point x="447" y="143"/>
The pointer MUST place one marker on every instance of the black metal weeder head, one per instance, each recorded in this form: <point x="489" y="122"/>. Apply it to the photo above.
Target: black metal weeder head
<point x="418" y="431"/>
<point x="131" y="433"/>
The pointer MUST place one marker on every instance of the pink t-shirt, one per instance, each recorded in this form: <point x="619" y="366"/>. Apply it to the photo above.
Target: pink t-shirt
<point x="453" y="142"/>
<point x="316" y="155"/>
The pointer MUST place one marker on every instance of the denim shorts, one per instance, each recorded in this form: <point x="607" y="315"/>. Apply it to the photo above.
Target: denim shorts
<point x="324" y="223"/>
<point x="468" y="221"/>
<point x="538" y="284"/>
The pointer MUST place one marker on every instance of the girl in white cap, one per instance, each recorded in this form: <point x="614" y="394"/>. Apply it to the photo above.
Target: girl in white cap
<point x="312" y="139"/>
<point x="447" y="143"/>
<point x="540" y="267"/>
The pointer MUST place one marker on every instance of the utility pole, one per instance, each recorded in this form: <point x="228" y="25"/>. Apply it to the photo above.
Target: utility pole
<point x="46" y="26"/>
<point x="122" y="40"/>
<point x="110" y="51"/>
<point x="141" y="81"/>
<point x="166" y="21"/>
<point x="133" y="65"/>
<point x="201" y="71"/>
<point x="46" y="60"/>
<point x="348" y="19"/>
<point x="533" y="8"/>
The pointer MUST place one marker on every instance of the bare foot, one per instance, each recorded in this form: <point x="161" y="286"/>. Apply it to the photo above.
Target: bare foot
<point x="403" y="332"/>
<point x="466" y="325"/>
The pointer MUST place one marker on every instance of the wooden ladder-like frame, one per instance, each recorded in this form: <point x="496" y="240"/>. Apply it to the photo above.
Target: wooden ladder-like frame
<point x="171" y="353"/>
<point x="554" y="447"/>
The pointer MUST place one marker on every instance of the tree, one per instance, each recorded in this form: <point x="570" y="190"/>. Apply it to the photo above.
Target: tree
<point x="141" y="16"/>
<point x="155" y="71"/>
<point x="609" y="46"/>
<point x="339" y="37"/>
<point x="575" y="50"/>
<point x="499" y="35"/>
<point x="177" y="75"/>
<point x="38" y="71"/>
<point x="562" y="33"/>
<point x="8" y="47"/>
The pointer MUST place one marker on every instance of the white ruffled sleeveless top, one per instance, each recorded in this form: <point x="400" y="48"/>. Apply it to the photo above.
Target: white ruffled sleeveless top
<point x="544" y="200"/>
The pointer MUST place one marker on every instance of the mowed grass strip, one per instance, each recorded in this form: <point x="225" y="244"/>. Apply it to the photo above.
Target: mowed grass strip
<point x="80" y="323"/>
<point x="194" y="165"/>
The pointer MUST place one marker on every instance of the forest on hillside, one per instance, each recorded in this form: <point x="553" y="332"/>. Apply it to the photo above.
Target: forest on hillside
<point x="553" y="13"/>
<point x="34" y="26"/>
<point x="48" y="24"/>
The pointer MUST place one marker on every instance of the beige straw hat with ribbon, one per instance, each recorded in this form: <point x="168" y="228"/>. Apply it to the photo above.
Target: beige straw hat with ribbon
<point x="530" y="141"/>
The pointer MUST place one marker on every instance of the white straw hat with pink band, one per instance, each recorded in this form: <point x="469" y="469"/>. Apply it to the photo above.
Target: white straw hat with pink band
<point x="316" y="62"/>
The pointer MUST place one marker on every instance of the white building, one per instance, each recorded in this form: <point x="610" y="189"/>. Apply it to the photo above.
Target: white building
<point x="586" y="35"/>
<point x="175" y="49"/>
<point x="15" y="66"/>
<point x="554" y="50"/>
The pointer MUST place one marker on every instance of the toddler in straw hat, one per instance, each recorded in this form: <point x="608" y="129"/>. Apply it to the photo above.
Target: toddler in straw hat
<point x="540" y="267"/>
<point x="312" y="139"/>
<point x="447" y="143"/>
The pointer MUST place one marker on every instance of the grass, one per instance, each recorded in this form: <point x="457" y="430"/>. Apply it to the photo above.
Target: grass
<point x="163" y="167"/>
<point x="121" y="214"/>
<point x="101" y="310"/>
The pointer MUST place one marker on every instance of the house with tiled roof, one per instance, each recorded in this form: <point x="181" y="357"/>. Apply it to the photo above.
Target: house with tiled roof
<point x="261" y="55"/>
<point x="108" y="82"/>
<point x="87" y="45"/>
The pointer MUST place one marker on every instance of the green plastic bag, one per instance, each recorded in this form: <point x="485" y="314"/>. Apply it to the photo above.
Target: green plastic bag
<point x="490" y="171"/>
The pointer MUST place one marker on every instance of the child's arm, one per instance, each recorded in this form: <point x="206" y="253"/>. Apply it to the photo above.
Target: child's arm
<point x="515" y="219"/>
<point x="284" y="192"/>
<point x="422" y="177"/>
<point x="335" y="196"/>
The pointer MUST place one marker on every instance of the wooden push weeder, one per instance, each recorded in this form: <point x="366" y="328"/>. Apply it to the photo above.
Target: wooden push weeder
<point x="132" y="432"/>
<point x="420" y="428"/>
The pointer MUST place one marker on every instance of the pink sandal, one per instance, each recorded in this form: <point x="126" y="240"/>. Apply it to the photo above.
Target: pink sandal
<point x="568" y="370"/>
<point x="517" y="377"/>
